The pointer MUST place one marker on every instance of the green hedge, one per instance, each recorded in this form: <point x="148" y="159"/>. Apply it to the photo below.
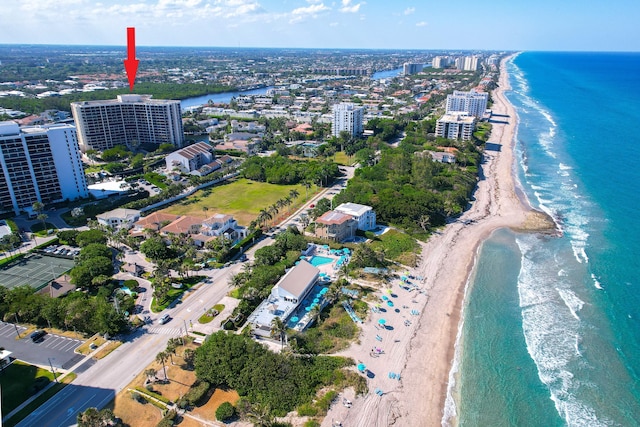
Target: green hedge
<point x="153" y="394"/>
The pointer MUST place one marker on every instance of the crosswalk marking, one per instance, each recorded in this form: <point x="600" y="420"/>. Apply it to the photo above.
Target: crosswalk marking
<point x="165" y="331"/>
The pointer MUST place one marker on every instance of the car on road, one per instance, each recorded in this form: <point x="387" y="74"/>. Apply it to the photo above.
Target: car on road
<point x="37" y="335"/>
<point x="312" y="206"/>
<point x="164" y="319"/>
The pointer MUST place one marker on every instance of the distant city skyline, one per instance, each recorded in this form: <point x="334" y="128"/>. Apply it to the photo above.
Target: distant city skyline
<point x="589" y="25"/>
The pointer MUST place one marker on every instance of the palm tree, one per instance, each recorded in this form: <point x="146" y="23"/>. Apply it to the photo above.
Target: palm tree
<point x="263" y="216"/>
<point x="43" y="217"/>
<point x="294" y="194"/>
<point x="150" y="373"/>
<point x="273" y="211"/>
<point x="314" y="314"/>
<point x="162" y="358"/>
<point x="287" y="202"/>
<point x="307" y="186"/>
<point x="333" y="293"/>
<point x="172" y="345"/>
<point x="260" y="415"/>
<point x="279" y="329"/>
<point x="205" y="209"/>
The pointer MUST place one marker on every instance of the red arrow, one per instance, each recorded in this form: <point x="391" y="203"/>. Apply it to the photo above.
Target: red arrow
<point x="131" y="63"/>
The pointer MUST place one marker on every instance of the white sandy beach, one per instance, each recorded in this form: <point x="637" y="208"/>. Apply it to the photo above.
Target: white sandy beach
<point x="422" y="352"/>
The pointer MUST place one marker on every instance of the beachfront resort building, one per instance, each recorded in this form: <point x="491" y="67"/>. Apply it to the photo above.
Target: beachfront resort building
<point x="284" y="298"/>
<point x="456" y="125"/>
<point x="39" y="164"/>
<point x="130" y="120"/>
<point x="473" y="103"/>
<point x="347" y="117"/>
<point x="364" y="215"/>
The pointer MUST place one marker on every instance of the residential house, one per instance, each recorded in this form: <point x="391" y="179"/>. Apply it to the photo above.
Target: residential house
<point x="223" y="225"/>
<point x="364" y="215"/>
<point x="119" y="218"/>
<point x="336" y="226"/>
<point x="153" y="222"/>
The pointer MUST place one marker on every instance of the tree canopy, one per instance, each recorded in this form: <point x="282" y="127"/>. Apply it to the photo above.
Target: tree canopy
<point x="278" y="381"/>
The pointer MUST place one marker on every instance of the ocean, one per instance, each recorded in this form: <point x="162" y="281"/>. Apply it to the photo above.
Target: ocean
<point x="551" y="332"/>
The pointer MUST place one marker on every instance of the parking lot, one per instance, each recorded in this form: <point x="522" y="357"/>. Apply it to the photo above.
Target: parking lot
<point x="59" y="350"/>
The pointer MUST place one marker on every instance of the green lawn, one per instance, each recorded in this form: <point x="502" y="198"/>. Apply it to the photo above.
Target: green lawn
<point x="398" y="246"/>
<point x="40" y="231"/>
<point x="19" y="381"/>
<point x="241" y="198"/>
<point x="342" y="159"/>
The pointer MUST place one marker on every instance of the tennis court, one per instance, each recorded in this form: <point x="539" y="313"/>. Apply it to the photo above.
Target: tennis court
<point x="34" y="270"/>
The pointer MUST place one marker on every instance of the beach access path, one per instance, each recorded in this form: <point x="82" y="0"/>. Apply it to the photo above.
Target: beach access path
<point x="423" y="352"/>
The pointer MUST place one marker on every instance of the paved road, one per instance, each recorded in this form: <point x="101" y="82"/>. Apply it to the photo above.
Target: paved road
<point x="60" y="350"/>
<point x="98" y="384"/>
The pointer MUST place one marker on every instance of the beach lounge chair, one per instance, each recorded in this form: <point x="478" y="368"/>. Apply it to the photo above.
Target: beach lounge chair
<point x="378" y="337"/>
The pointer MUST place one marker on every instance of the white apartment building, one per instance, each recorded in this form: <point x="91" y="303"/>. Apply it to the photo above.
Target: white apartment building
<point x="471" y="63"/>
<point x="455" y="125"/>
<point x="347" y="117"/>
<point x="191" y="158"/>
<point x="39" y="164"/>
<point x="129" y="120"/>
<point x="473" y="103"/>
<point x="441" y="62"/>
<point x="363" y="214"/>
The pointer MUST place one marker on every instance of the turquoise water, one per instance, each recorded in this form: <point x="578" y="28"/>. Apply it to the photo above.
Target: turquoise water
<point x="320" y="260"/>
<point x="550" y="335"/>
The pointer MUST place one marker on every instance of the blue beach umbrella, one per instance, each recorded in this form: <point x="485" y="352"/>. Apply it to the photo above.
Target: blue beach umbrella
<point x="361" y="367"/>
<point x="382" y="321"/>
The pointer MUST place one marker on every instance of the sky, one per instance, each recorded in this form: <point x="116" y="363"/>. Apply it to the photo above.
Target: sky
<point x="592" y="25"/>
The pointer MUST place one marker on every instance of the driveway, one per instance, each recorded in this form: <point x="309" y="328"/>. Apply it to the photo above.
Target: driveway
<point x="60" y="350"/>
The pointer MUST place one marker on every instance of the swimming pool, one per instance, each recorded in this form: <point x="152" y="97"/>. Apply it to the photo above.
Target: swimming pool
<point x="320" y="260"/>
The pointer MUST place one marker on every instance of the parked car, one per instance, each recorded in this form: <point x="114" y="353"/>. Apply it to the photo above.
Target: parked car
<point x="37" y="335"/>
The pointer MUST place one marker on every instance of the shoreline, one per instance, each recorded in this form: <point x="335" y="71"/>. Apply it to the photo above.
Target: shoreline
<point x="424" y="351"/>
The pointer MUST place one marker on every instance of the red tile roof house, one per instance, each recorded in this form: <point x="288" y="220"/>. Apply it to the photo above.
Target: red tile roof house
<point x="336" y="226"/>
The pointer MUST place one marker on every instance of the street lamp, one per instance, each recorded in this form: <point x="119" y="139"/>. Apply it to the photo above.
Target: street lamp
<point x="55" y="376"/>
<point x="15" y="325"/>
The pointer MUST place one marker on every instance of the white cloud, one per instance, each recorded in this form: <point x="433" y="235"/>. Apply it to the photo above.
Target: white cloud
<point x="312" y="11"/>
<point x="409" y="10"/>
<point x="333" y="24"/>
<point x="421" y="24"/>
<point x="347" y="7"/>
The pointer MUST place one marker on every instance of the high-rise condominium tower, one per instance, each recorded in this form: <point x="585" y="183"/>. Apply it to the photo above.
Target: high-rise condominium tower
<point x="39" y="164"/>
<point x="129" y="120"/>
